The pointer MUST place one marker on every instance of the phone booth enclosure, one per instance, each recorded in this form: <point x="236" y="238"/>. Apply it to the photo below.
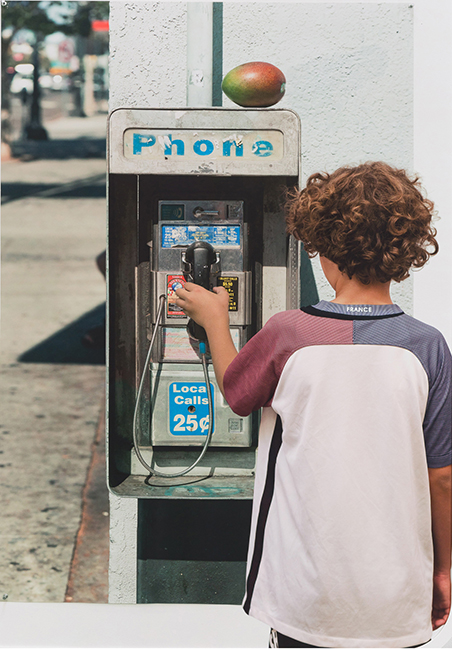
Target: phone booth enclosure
<point x="161" y="164"/>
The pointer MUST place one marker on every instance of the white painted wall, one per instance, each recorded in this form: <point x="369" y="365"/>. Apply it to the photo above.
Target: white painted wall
<point x="349" y="70"/>
<point x="433" y="153"/>
<point x="148" y="51"/>
<point x="122" y="572"/>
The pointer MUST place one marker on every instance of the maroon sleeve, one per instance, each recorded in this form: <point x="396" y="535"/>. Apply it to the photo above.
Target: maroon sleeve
<point x="251" y="379"/>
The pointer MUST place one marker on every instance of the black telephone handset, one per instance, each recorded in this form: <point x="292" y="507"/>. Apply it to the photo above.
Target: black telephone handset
<point x="197" y="263"/>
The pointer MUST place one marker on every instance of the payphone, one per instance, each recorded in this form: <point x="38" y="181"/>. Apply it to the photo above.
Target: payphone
<point x="202" y="242"/>
<point x="194" y="192"/>
<point x="182" y="418"/>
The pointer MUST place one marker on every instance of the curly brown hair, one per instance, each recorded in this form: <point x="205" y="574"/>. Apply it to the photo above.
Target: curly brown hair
<point x="370" y="220"/>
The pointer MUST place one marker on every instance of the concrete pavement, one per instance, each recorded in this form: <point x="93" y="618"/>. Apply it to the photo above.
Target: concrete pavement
<point x="53" y="226"/>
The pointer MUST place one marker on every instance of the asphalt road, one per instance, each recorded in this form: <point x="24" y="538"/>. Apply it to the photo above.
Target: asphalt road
<point x="54" y="516"/>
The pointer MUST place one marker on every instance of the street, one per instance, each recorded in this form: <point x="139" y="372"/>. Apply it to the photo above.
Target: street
<point x="54" y="524"/>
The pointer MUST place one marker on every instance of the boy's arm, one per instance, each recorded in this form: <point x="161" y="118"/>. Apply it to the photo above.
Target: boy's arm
<point x="210" y="310"/>
<point x="252" y="380"/>
<point x="441" y="503"/>
<point x="222" y="350"/>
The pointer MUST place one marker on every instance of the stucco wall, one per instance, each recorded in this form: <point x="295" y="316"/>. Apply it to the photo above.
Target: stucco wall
<point x="349" y="77"/>
<point x="432" y="153"/>
<point x="349" y="70"/>
<point x="148" y="45"/>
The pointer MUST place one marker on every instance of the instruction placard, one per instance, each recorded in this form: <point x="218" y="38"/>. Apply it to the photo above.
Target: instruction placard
<point x="175" y="236"/>
<point x="231" y="284"/>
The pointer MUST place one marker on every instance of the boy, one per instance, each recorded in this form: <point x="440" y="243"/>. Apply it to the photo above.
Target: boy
<point x="351" y="531"/>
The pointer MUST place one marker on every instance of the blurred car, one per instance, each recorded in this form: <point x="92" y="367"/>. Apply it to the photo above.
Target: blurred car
<point x="46" y="81"/>
<point x="24" y="82"/>
<point x="60" y="82"/>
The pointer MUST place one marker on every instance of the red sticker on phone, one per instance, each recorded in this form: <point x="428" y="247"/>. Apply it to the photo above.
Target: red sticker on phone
<point x="173" y="282"/>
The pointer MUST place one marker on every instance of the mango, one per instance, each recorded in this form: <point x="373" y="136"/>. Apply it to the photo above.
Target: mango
<point x="254" y="84"/>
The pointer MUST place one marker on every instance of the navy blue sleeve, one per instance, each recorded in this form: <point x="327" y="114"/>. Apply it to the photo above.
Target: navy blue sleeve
<point x="438" y="415"/>
<point x="430" y="347"/>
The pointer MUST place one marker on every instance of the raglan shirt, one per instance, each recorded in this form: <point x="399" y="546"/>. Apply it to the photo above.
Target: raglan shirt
<point x="356" y="406"/>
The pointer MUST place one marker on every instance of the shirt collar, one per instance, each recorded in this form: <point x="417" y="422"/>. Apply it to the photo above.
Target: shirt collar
<point x="358" y="310"/>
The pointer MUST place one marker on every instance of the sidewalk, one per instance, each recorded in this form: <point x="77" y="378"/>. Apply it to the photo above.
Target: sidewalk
<point x="69" y="138"/>
<point x="53" y="227"/>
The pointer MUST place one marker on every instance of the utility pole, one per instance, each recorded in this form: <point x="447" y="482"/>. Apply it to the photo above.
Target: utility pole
<point x="34" y="129"/>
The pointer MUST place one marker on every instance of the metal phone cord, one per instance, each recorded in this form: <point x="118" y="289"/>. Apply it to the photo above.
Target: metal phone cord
<point x="152" y="471"/>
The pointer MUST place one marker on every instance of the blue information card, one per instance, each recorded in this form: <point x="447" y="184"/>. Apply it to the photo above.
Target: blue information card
<point x="218" y="236"/>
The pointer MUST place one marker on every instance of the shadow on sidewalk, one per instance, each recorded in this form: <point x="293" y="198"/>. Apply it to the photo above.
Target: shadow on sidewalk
<point x="81" y="147"/>
<point x="85" y="188"/>
<point x="65" y="346"/>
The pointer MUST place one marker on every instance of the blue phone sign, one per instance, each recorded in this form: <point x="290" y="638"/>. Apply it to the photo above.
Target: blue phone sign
<point x="189" y="408"/>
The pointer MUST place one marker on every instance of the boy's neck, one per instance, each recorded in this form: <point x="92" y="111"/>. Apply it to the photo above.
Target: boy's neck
<point x="350" y="291"/>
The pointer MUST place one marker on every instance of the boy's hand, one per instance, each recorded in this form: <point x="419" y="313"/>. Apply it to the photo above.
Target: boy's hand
<point x="211" y="311"/>
<point x="441" y="599"/>
<point x="204" y="307"/>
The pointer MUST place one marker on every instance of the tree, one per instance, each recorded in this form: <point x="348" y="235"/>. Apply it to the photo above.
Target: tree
<point x="73" y="18"/>
<point x="16" y="16"/>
